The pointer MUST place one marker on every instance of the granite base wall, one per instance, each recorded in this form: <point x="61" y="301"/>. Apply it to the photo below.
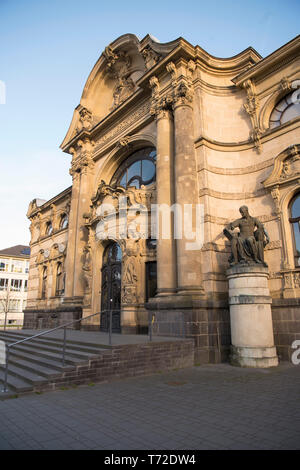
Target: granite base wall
<point x="51" y="318"/>
<point x="127" y="361"/>
<point x="286" y="325"/>
<point x="208" y="326"/>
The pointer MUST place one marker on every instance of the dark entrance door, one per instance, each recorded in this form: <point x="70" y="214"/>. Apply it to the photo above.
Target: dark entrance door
<point x="111" y="288"/>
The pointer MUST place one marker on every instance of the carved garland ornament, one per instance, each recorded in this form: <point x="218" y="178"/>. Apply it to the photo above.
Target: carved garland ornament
<point x="252" y="108"/>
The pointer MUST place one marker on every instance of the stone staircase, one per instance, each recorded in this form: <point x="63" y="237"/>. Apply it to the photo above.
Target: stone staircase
<point x="36" y="365"/>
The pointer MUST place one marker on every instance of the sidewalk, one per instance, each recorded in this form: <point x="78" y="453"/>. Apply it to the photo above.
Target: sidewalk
<point x="206" y="407"/>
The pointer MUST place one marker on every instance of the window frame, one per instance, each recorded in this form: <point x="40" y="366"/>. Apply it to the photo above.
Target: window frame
<point x="292" y="221"/>
<point x="140" y="155"/>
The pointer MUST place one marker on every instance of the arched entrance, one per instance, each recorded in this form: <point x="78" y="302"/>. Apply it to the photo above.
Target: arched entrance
<point x="111" y="288"/>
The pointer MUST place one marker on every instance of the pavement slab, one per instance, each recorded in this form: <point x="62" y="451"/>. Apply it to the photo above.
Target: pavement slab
<point x="205" y="407"/>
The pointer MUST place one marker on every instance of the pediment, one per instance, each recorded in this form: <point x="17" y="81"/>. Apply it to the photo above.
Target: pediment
<point x="112" y="80"/>
<point x="286" y="167"/>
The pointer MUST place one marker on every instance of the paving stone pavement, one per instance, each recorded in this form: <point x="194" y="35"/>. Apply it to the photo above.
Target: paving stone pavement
<point x="206" y="407"/>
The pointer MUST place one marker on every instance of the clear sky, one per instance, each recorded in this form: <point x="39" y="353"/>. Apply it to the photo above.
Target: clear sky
<point x="48" y="48"/>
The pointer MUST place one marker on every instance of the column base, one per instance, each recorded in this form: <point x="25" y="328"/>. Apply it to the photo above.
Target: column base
<point x="253" y="357"/>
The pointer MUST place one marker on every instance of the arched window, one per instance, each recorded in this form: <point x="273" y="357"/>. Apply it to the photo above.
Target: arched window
<point x="137" y="170"/>
<point x="44" y="282"/>
<point x="49" y="228"/>
<point x="284" y="111"/>
<point x="295" y="222"/>
<point x="64" y="221"/>
<point x="59" y="280"/>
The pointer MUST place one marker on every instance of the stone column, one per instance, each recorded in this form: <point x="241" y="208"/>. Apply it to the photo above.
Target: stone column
<point x="83" y="208"/>
<point x="72" y="231"/>
<point x="250" y="317"/>
<point x="166" y="254"/>
<point x="186" y="193"/>
<point x="81" y="171"/>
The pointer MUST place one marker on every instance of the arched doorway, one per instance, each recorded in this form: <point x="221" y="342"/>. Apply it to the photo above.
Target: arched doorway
<point x="111" y="288"/>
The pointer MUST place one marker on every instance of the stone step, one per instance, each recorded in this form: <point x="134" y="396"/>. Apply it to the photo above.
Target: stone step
<point x="18" y="335"/>
<point x="56" y="356"/>
<point x="31" y="367"/>
<point x="57" y="343"/>
<point x="27" y="376"/>
<point x="31" y="357"/>
<point x="14" y="383"/>
<point x="58" y="350"/>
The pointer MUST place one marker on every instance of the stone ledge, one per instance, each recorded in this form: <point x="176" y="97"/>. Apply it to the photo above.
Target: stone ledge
<point x="250" y="299"/>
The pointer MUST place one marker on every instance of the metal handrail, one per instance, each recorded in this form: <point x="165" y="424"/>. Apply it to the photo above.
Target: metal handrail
<point x="43" y="333"/>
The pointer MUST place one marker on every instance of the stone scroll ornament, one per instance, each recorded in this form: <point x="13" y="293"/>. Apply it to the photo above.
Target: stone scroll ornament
<point x="247" y="245"/>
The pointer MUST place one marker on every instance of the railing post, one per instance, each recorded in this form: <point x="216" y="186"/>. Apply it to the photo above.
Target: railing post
<point x="110" y="327"/>
<point x="64" y="346"/>
<point x="6" y="369"/>
<point x="151" y="321"/>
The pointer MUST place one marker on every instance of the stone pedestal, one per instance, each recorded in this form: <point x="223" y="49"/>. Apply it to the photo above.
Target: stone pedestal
<point x="250" y="317"/>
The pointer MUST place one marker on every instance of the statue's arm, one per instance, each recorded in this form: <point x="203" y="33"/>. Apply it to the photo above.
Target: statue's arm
<point x="234" y="224"/>
<point x="267" y="236"/>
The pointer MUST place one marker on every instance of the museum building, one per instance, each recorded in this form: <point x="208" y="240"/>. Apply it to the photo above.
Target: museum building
<point x="171" y="126"/>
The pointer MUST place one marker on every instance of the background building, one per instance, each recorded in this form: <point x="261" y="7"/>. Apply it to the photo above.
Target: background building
<point x="14" y="268"/>
<point x="171" y="124"/>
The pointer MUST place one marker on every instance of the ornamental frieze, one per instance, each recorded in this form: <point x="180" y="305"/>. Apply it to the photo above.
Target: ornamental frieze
<point x="123" y="125"/>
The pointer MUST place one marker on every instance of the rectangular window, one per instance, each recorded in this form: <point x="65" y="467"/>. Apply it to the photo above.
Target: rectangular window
<point x="4" y="265"/>
<point x="3" y="284"/>
<point x="16" y="284"/>
<point x="25" y="285"/>
<point x="151" y="279"/>
<point x="17" y="266"/>
<point x="27" y="267"/>
<point x="14" y="305"/>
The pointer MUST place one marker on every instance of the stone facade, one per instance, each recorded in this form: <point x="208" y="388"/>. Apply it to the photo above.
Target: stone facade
<point x="226" y="134"/>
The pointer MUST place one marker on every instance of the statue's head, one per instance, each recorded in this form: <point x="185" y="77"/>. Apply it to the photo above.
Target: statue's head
<point x="244" y="211"/>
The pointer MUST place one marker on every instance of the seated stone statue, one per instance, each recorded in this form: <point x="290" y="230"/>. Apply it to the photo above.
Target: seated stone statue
<point x="247" y="245"/>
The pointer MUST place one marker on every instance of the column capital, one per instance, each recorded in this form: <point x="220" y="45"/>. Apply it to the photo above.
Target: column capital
<point x="182" y="82"/>
<point x="161" y="108"/>
<point x="183" y="95"/>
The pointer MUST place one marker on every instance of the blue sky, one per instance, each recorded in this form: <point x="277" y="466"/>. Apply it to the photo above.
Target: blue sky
<point x="48" y="48"/>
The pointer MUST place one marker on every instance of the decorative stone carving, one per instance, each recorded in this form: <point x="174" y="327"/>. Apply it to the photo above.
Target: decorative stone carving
<point x="160" y="108"/>
<point x="83" y="157"/>
<point x="150" y="57"/>
<point x="285" y="84"/>
<point x="286" y="168"/>
<point x="252" y="108"/>
<point x="123" y="125"/>
<point x="247" y="246"/>
<point x="86" y="269"/>
<point x="183" y="95"/>
<point x="129" y="295"/>
<point x="124" y="88"/>
<point x="110" y="56"/>
<point x="118" y="69"/>
<point x="276" y="197"/>
<point x="106" y="190"/>
<point x="85" y="120"/>
<point x="124" y="142"/>
<point x="130" y="276"/>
